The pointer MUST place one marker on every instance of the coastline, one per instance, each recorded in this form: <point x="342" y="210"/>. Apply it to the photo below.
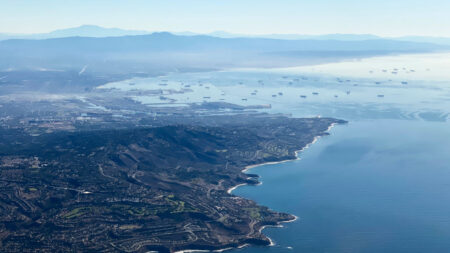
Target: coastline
<point x="247" y="168"/>
<point x="279" y="224"/>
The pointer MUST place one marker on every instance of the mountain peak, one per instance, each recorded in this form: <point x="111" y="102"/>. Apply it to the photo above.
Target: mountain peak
<point x="94" y="31"/>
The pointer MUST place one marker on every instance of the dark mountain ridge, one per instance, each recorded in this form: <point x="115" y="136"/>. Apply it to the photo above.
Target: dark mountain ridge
<point x="166" y="51"/>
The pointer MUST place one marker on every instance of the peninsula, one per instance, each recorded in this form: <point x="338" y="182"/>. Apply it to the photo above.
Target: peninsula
<point x="162" y="188"/>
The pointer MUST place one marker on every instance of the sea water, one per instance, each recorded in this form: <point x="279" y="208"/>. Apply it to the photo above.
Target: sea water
<point x="381" y="183"/>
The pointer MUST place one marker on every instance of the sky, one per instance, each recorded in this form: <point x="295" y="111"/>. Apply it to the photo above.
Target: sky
<point x="379" y="17"/>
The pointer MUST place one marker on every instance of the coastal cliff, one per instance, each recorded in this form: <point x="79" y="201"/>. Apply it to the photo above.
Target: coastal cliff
<point x="134" y="190"/>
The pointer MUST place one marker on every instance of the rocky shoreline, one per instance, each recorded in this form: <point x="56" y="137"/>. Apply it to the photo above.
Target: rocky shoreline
<point x="164" y="189"/>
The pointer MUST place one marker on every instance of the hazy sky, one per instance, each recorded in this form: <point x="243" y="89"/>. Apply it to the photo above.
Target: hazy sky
<point x="381" y="17"/>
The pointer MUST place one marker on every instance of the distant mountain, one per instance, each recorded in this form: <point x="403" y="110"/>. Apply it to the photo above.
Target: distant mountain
<point x="424" y="39"/>
<point x="94" y="31"/>
<point x="81" y="31"/>
<point x="343" y="37"/>
<point x="164" y="41"/>
<point x="337" y="36"/>
<point x="165" y="51"/>
<point x="100" y="32"/>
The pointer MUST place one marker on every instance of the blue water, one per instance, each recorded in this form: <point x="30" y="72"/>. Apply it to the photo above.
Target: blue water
<point x="372" y="186"/>
<point x="380" y="183"/>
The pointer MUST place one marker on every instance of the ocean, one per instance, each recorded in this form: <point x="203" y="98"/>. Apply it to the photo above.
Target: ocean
<point x="381" y="183"/>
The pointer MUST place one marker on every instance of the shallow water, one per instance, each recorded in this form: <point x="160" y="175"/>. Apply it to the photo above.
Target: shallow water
<point x="380" y="183"/>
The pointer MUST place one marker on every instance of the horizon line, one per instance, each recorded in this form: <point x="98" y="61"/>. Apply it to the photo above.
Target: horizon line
<point x="211" y="33"/>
